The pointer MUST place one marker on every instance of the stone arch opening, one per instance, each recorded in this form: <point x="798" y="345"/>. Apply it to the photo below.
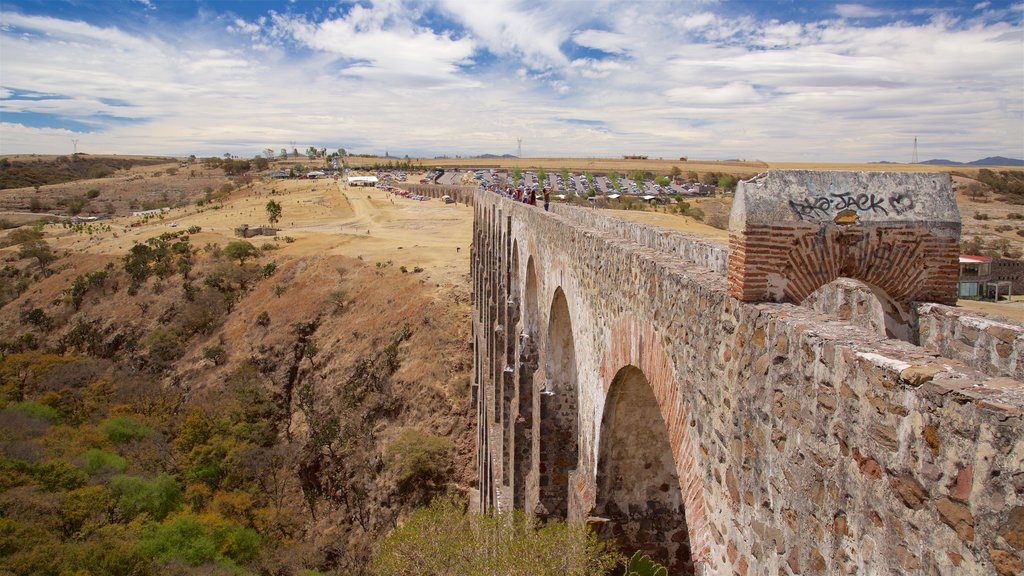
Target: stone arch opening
<point x="862" y="304"/>
<point x="523" y="422"/>
<point x="559" y="425"/>
<point x="530" y="308"/>
<point x="514" y="287"/>
<point x="639" y="500"/>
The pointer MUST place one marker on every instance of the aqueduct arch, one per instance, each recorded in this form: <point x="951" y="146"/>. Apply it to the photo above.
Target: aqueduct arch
<point x="639" y="497"/>
<point x="559" y="411"/>
<point x="795" y="438"/>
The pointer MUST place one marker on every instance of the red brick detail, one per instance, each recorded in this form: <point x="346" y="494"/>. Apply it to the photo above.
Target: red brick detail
<point x="636" y="344"/>
<point x="776" y="264"/>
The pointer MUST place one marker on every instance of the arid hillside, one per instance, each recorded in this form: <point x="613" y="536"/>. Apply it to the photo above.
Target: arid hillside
<point x="176" y="401"/>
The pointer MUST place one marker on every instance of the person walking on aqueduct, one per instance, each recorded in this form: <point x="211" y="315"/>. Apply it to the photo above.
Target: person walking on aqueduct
<point x="533" y="197"/>
<point x="547" y="199"/>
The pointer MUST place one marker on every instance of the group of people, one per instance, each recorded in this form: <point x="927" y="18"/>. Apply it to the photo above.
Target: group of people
<point x="520" y="195"/>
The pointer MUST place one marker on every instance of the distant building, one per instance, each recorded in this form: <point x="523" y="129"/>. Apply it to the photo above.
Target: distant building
<point x="987" y="277"/>
<point x="246" y="231"/>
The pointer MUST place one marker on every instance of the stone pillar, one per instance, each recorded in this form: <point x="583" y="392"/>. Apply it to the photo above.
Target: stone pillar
<point x="792" y="231"/>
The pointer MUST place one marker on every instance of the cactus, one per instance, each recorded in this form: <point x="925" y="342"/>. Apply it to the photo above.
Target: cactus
<point x="642" y="565"/>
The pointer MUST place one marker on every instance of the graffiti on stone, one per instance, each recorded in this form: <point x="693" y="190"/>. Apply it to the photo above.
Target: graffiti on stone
<point x="824" y="205"/>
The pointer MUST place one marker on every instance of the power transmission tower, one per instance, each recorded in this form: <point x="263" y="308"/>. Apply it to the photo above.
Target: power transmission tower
<point x="519" y="148"/>
<point x="75" y="142"/>
<point x="913" y="159"/>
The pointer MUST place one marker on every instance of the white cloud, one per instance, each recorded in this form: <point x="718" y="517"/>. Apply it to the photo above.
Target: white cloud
<point x="857" y="11"/>
<point x="678" y="79"/>
<point x="602" y="40"/>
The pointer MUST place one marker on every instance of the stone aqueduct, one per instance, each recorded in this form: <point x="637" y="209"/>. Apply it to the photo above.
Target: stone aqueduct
<point x="670" y="392"/>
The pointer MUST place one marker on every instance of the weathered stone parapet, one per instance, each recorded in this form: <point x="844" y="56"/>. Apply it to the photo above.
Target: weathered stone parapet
<point x="689" y="247"/>
<point x="792" y="231"/>
<point x="988" y="344"/>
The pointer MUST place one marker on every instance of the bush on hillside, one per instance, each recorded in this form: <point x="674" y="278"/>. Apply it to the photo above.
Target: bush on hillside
<point x="444" y="539"/>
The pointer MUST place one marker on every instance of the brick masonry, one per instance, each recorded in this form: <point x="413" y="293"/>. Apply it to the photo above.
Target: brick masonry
<point x="802" y="443"/>
<point x="793" y="231"/>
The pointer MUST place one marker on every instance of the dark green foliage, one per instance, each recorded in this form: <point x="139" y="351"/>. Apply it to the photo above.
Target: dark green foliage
<point x="34" y="409"/>
<point x="124" y="428"/>
<point x="162" y="255"/>
<point x="241" y="250"/>
<point x="156" y="497"/>
<point x="273" y="212"/>
<point x="1009" y="183"/>
<point x="19" y="174"/>
<point x="59" y="475"/>
<point x="642" y="565"/>
<point x="215" y="354"/>
<point x="38" y="250"/>
<point x="36" y="317"/>
<point x="81" y="286"/>
<point x="98" y="461"/>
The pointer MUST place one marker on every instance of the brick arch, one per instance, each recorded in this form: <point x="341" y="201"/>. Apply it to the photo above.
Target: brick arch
<point x="635" y="344"/>
<point x="793" y="231"/>
<point x="638" y="496"/>
<point x="892" y="263"/>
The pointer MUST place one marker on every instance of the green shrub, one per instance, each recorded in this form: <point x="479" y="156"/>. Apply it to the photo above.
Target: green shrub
<point x="98" y="460"/>
<point x="59" y="475"/>
<point x="444" y="539"/>
<point x="200" y="540"/>
<point x="36" y="410"/>
<point x="417" y="457"/>
<point x="121" y="429"/>
<point x="135" y="495"/>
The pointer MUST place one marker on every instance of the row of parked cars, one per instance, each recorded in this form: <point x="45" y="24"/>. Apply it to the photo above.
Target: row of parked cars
<point x="580" y="185"/>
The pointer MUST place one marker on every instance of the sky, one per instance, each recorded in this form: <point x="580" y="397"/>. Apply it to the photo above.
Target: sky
<point x="773" y="80"/>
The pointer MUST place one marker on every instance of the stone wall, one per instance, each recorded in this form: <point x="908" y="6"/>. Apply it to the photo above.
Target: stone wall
<point x="798" y="443"/>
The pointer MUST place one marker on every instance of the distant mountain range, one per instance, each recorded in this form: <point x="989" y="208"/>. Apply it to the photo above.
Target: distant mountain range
<point x="497" y="156"/>
<point x="990" y="161"/>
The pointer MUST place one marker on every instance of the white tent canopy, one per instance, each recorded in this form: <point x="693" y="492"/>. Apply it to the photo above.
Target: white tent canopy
<point x="362" y="180"/>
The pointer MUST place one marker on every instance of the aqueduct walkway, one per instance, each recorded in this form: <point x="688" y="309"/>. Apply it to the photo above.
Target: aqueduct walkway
<point x="671" y="393"/>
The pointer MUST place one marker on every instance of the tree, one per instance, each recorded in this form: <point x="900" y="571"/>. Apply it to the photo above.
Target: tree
<point x="268" y="153"/>
<point x="240" y="249"/>
<point x="273" y="212"/>
<point x="676" y="172"/>
<point x="284" y="153"/>
<point x="39" y="250"/>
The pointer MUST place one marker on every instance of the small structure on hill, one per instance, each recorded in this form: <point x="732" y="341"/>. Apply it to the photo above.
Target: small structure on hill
<point x="246" y="231"/>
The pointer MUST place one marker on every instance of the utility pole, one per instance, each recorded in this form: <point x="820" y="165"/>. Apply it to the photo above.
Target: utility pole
<point x="913" y="159"/>
<point x="519" y="148"/>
